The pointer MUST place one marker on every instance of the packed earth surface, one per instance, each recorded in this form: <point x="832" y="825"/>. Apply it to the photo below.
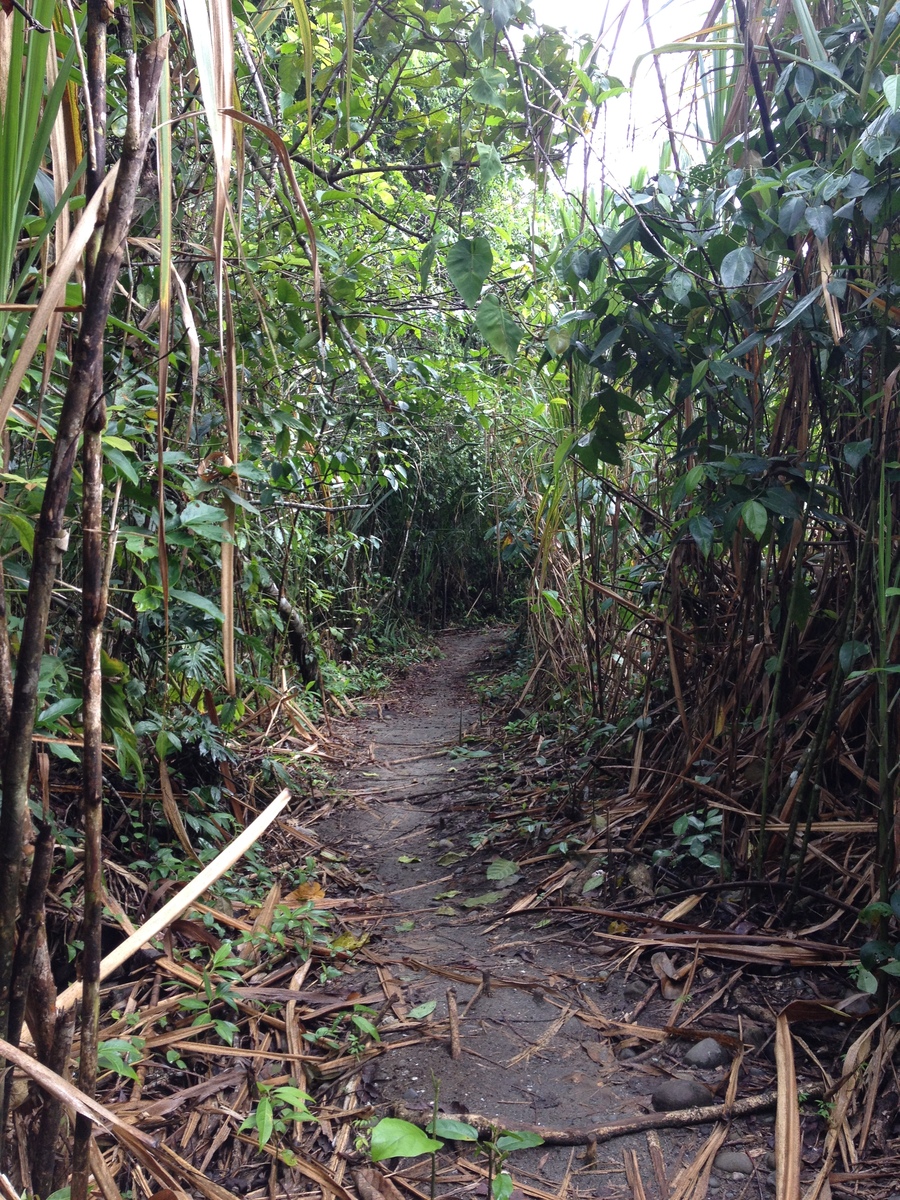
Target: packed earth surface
<point x="495" y="996"/>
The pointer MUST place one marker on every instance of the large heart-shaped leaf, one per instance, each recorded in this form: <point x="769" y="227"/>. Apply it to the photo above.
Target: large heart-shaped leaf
<point x="469" y="263"/>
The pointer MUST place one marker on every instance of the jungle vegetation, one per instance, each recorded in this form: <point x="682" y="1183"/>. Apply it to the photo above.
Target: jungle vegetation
<point x="306" y="333"/>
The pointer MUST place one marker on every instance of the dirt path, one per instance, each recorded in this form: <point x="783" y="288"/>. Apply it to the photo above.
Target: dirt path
<point x="414" y="813"/>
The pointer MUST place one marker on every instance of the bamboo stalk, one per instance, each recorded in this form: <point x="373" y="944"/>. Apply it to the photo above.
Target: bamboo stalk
<point x="190" y="892"/>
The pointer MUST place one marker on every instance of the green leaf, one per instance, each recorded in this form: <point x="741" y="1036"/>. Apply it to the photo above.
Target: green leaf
<point x="866" y="981"/>
<point x="502" y="1186"/>
<point x="849" y="653"/>
<point x="454" y="1131"/>
<point x="755" y="518"/>
<point x="489" y="162"/>
<point x="736" y="267"/>
<point x="855" y="452"/>
<point x="502" y="868"/>
<point x="469" y="263"/>
<point x="148" y="599"/>
<point x="819" y="218"/>
<point x="521" y="1139"/>
<point x="393" y="1138"/>
<point x="875" y="954"/>
<point x="420" y="1012"/>
<point x="791" y="214"/>
<point x="895" y="904"/>
<point x="873" y="912"/>
<point x="264" y="1121"/>
<point x="23" y="527"/>
<point x="483" y="901"/>
<point x="426" y="260"/>
<point x="678" y="288"/>
<point x="891" y="89"/>
<point x="199" y="513"/>
<point x="487" y="88"/>
<point x="701" y="530"/>
<point x="501" y="332"/>
<point x="501" y="12"/>
<point x="197" y="601"/>
<point x="61" y="708"/>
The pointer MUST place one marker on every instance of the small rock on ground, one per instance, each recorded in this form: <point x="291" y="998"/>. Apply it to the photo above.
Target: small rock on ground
<point x="734" y="1162"/>
<point x="706" y="1054"/>
<point x="676" y="1094"/>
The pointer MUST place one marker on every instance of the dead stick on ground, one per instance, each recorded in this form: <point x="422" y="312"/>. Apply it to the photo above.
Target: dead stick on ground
<point x="188" y="894"/>
<point x="452" y="1013"/>
<point x="660" y="1120"/>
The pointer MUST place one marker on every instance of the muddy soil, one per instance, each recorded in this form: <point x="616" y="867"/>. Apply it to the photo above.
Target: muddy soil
<point x="414" y="801"/>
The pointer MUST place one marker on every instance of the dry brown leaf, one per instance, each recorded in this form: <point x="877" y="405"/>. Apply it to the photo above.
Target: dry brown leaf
<point x="373" y="1185"/>
<point x="304" y="893"/>
<point x="173" y="812"/>
<point x="787" y="1117"/>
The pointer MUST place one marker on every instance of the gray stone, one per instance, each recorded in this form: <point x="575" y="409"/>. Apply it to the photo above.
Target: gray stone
<point x="734" y="1162"/>
<point x="706" y="1054"/>
<point x="770" y="1162"/>
<point x="676" y="1094"/>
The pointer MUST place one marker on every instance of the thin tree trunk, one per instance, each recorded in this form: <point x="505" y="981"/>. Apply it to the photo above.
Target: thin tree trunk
<point x="51" y="537"/>
<point x="93" y="611"/>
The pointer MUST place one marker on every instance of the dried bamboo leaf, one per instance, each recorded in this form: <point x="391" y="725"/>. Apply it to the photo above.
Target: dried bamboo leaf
<point x="54" y="293"/>
<point x="787" y="1117"/>
<point x="188" y="894"/>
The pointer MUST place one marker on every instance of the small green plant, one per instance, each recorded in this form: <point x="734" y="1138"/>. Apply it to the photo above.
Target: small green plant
<point x="880" y="957"/>
<point x="349" y="1030"/>
<point x="393" y="1138"/>
<point x="276" y="1108"/>
<point x="696" y="833"/>
<point x="120" y="1055"/>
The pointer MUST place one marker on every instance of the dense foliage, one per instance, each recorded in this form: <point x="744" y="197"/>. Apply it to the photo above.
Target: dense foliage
<point x="337" y="350"/>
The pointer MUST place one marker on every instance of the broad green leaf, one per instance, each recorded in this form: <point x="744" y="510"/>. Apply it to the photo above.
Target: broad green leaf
<point x="701" y="530"/>
<point x="501" y="331"/>
<point x="678" y="288"/>
<point x="199" y="513"/>
<point x="755" y="518"/>
<point x="148" y="599"/>
<point x="736" y="267"/>
<point x="515" y="1139"/>
<point x="483" y="901"/>
<point x="421" y="1011"/>
<point x="855" y="452"/>
<point x="195" y="600"/>
<point x="849" y="653"/>
<point x="469" y="263"/>
<point x="487" y="88"/>
<point x="791" y="215"/>
<point x="872" y="913"/>
<point x="489" y="162"/>
<point x="501" y="12"/>
<point x="558" y="341"/>
<point x="891" y="89"/>
<point x="60" y="708"/>
<point x="820" y="218"/>
<point x="501" y="868"/>
<point x="23" y="527"/>
<point x="454" y="1131"/>
<point x="393" y="1138"/>
<point x="502" y="1186"/>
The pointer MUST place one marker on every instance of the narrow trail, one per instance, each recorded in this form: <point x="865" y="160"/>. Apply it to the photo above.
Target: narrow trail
<point x="414" y="805"/>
